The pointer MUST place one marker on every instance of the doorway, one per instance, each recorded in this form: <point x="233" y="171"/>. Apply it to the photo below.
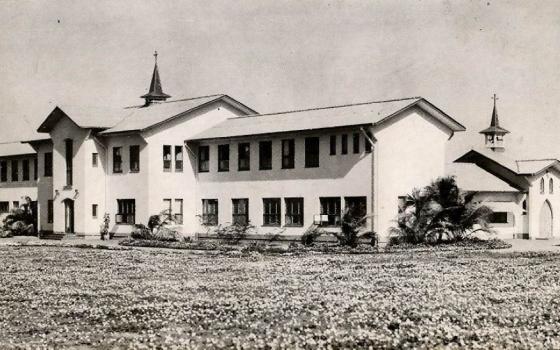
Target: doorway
<point x="545" y="221"/>
<point x="68" y="216"/>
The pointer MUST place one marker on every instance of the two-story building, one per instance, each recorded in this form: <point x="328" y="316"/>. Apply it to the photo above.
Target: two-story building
<point x="212" y="160"/>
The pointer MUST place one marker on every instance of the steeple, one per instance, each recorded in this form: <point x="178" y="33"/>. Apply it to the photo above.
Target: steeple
<point x="494" y="134"/>
<point x="156" y="93"/>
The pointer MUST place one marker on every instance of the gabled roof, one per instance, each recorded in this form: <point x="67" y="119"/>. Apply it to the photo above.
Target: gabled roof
<point x="138" y="118"/>
<point x="367" y="113"/>
<point x="143" y="118"/>
<point x="15" y="149"/>
<point x="86" y="117"/>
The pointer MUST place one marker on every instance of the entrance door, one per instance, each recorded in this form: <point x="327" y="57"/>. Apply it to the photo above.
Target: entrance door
<point x="545" y="222"/>
<point x="69" y="216"/>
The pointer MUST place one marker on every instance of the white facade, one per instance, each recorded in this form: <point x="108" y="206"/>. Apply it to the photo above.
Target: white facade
<point x="16" y="185"/>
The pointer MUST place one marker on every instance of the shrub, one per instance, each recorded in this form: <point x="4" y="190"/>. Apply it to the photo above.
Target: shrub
<point x="234" y="233"/>
<point x="351" y="230"/>
<point x="104" y="227"/>
<point x="439" y="212"/>
<point x="310" y="236"/>
<point x="19" y="222"/>
<point x="163" y="234"/>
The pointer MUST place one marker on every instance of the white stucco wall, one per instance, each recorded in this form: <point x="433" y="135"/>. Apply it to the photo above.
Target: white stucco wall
<point x="11" y="191"/>
<point x="44" y="186"/>
<point x="410" y="153"/>
<point x="536" y="199"/>
<point x="511" y="203"/>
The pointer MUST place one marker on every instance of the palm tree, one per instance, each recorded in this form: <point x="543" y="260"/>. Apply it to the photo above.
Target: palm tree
<point x="440" y="212"/>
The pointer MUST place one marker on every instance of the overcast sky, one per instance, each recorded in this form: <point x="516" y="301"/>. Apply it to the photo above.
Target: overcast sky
<point x="282" y="55"/>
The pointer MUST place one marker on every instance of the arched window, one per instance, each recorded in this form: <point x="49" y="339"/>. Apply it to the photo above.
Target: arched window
<point x="524" y="207"/>
<point x="542" y="186"/>
<point x="550" y="186"/>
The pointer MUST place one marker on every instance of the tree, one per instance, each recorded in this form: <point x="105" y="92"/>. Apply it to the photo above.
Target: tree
<point x="440" y="212"/>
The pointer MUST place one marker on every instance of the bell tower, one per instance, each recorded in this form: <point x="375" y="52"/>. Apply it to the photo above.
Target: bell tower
<point x="156" y="92"/>
<point x="494" y="134"/>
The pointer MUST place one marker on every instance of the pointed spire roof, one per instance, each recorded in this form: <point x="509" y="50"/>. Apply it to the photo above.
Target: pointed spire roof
<point x="156" y="92"/>
<point x="494" y="127"/>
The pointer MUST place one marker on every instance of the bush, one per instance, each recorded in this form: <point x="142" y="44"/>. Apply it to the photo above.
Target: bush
<point x="310" y="237"/>
<point x="19" y="222"/>
<point x="233" y="234"/>
<point x="351" y="230"/>
<point x="163" y="234"/>
<point x="104" y="228"/>
<point x="439" y="212"/>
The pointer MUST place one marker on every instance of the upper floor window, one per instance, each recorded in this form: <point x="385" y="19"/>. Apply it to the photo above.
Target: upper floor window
<point x="4" y="207"/>
<point x="3" y="171"/>
<point x="550" y="186"/>
<point x="15" y="170"/>
<point x="244" y="156"/>
<point x="344" y="144"/>
<point x="25" y="169"/>
<point x="35" y="168"/>
<point x="288" y="154"/>
<point x="542" y="186"/>
<point x="265" y="155"/>
<point x="356" y="143"/>
<point x="271" y="211"/>
<point x="210" y="212"/>
<point x="117" y="159"/>
<point x="368" y="140"/>
<point x="333" y="145"/>
<point x="179" y="158"/>
<point x="69" y="154"/>
<point x="94" y="159"/>
<point x="223" y="157"/>
<point x="311" y="152"/>
<point x="48" y="170"/>
<point x="126" y="211"/>
<point x="203" y="159"/>
<point x="240" y="213"/>
<point x="166" y="158"/>
<point x="134" y="155"/>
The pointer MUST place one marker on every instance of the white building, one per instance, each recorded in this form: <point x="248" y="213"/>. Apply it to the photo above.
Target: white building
<point x="212" y="160"/>
<point x="525" y="193"/>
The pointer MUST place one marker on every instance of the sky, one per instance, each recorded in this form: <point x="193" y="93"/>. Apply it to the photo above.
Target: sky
<point x="284" y="55"/>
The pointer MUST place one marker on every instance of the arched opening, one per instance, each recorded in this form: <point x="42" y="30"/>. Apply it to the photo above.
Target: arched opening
<point x="550" y="186"/>
<point x="68" y="215"/>
<point x="545" y="220"/>
<point x="542" y="186"/>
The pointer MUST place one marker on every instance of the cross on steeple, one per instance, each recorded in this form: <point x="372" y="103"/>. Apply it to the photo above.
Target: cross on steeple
<point x="495" y="98"/>
<point x="155" y="55"/>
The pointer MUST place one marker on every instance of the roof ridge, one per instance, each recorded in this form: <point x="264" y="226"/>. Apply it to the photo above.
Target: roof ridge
<point x="536" y="160"/>
<point x="178" y="100"/>
<point x="328" y="107"/>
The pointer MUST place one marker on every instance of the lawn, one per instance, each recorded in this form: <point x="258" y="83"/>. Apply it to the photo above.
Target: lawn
<point x="72" y="297"/>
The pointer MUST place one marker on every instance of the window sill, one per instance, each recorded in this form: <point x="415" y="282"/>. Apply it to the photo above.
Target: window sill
<point x="243" y="169"/>
<point x="134" y="171"/>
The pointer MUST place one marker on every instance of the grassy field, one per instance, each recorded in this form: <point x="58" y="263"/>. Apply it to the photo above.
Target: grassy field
<point x="69" y="297"/>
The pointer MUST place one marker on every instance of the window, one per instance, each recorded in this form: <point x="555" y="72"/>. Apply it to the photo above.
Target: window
<point x="117" y="159"/>
<point x="203" y="159"/>
<point x="94" y="211"/>
<point x="94" y="159"/>
<point x="178" y="216"/>
<point x="35" y="169"/>
<point x="356" y="143"/>
<point x="240" y="214"/>
<point x="244" y="156"/>
<point x="344" y="144"/>
<point x="134" y="156"/>
<point x="15" y="170"/>
<point x="48" y="164"/>
<point x="69" y="154"/>
<point x="223" y="157"/>
<point x="210" y="212"/>
<point x="166" y="158"/>
<point x="178" y="158"/>
<point x="50" y="211"/>
<point x="288" y="153"/>
<point x="311" y="152"/>
<point x="330" y="206"/>
<point x="15" y="204"/>
<point x="294" y="211"/>
<point x="368" y="142"/>
<point x="333" y="145"/>
<point x="127" y="211"/>
<point x="542" y="186"/>
<point x="3" y="171"/>
<point x="499" y="217"/>
<point x="167" y="210"/>
<point x="271" y="211"/>
<point x="25" y="169"/>
<point x="265" y="155"/>
<point x="356" y="207"/>
<point x="550" y="186"/>
<point x="4" y="207"/>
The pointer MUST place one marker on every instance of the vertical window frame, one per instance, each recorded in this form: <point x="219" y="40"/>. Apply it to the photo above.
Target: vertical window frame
<point x="312" y="152"/>
<point x="288" y="154"/>
<point x="203" y="158"/>
<point x="223" y="157"/>
<point x="134" y="158"/>
<point x="265" y="155"/>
